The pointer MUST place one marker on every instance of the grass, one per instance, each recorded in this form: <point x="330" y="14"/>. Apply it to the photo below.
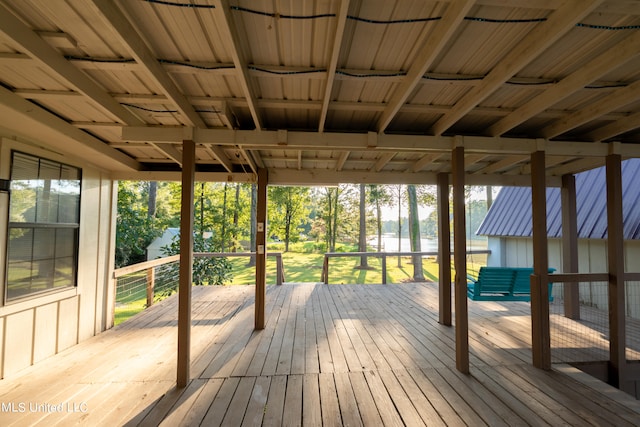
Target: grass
<point x="307" y="267"/>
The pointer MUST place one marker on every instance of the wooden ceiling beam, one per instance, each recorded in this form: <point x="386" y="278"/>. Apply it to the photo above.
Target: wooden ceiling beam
<point x="341" y="160"/>
<point x="333" y="61"/>
<point x="423" y="161"/>
<point x="142" y="53"/>
<point x="501" y="165"/>
<point x="613" y="58"/>
<point x="617" y="99"/>
<point x="50" y="59"/>
<point x="383" y="161"/>
<point x="218" y="152"/>
<point x="170" y="151"/>
<point x="432" y="46"/>
<point x="290" y="104"/>
<point x="531" y="46"/>
<point x="39" y="124"/>
<point x="361" y="142"/>
<point x="228" y="30"/>
<point x="616" y="128"/>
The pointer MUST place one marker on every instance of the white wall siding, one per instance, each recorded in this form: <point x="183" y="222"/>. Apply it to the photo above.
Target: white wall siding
<point x="592" y="258"/>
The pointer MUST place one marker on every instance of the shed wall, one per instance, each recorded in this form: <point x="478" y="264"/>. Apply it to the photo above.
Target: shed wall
<point x="592" y="258"/>
<point x="39" y="326"/>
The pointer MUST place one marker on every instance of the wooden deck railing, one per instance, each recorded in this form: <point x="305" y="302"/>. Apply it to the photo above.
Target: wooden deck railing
<point x="149" y="267"/>
<point x="383" y="255"/>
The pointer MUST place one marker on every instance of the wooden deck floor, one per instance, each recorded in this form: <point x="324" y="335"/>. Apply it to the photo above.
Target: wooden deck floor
<point x="330" y="355"/>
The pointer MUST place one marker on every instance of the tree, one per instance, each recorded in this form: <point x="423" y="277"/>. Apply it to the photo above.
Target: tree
<point x="379" y="195"/>
<point x="206" y="270"/>
<point x="414" y="232"/>
<point x="362" y="232"/>
<point x="288" y="210"/>
<point x="253" y="223"/>
<point x="135" y="228"/>
<point x="399" y="194"/>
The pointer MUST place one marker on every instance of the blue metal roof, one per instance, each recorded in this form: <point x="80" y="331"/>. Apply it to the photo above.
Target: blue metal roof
<point x="510" y="214"/>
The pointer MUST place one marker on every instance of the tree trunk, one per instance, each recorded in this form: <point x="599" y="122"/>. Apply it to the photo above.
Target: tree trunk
<point x="288" y="216"/>
<point x="379" y="224"/>
<point x="489" y="196"/>
<point x="362" y="234"/>
<point x="254" y="223"/>
<point x="153" y="192"/>
<point x="399" y="224"/>
<point x="224" y="221"/>
<point x="334" y="230"/>
<point x="236" y="212"/>
<point x="414" y="232"/>
<point x="202" y="209"/>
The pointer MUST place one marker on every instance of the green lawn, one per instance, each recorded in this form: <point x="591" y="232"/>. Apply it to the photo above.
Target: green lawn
<point x="307" y="267"/>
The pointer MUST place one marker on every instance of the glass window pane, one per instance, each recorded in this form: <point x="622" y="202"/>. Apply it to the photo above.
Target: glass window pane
<point x="20" y="247"/>
<point x="46" y="243"/>
<point x="42" y="255"/>
<point x="65" y="272"/>
<point x="66" y="242"/>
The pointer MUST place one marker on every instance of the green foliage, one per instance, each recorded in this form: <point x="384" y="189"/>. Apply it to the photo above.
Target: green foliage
<point x="288" y="212"/>
<point x="135" y="230"/>
<point x="206" y="270"/>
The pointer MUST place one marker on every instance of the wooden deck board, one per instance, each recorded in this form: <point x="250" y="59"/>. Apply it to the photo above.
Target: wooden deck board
<point x="329" y="355"/>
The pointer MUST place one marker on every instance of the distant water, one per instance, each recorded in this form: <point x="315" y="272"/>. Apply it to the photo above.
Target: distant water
<point x="390" y="244"/>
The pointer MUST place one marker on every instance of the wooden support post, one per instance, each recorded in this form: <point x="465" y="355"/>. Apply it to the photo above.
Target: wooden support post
<point x="279" y="270"/>
<point x="444" y="250"/>
<point x="570" y="246"/>
<point x="384" y="269"/>
<point x="261" y="249"/>
<point x="325" y="270"/>
<point x="186" y="262"/>
<point x="460" y="261"/>
<point x="615" y="248"/>
<point x="151" y="281"/>
<point x="541" y="341"/>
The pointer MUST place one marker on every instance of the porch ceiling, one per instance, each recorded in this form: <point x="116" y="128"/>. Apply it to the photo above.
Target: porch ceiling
<point x="323" y="91"/>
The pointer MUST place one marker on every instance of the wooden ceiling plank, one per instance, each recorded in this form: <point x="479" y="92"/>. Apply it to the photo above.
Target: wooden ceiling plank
<point x="613" y="58"/>
<point x="50" y="59"/>
<point x="532" y="45"/>
<point x="333" y="62"/>
<point x="143" y="55"/>
<point x="617" y="99"/>
<point x="431" y="48"/>
<point x="223" y="13"/>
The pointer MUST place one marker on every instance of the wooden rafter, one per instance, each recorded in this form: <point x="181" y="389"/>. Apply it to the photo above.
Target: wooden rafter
<point x="616" y="99"/>
<point x="218" y="152"/>
<point x="143" y="55"/>
<point x="228" y="29"/>
<point x="616" y="128"/>
<point x="50" y="59"/>
<point x="608" y="61"/>
<point x="333" y="61"/>
<point x="533" y="44"/>
<point x="444" y="29"/>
